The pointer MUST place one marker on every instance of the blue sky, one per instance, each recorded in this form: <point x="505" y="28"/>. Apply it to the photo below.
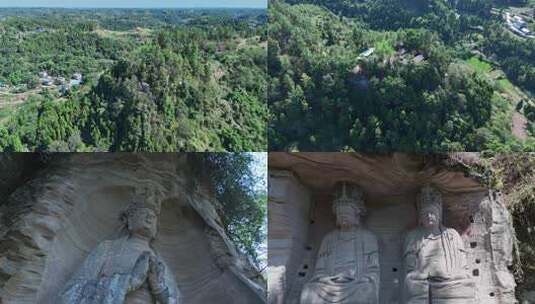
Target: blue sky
<point x="134" y="3"/>
<point x="259" y="167"/>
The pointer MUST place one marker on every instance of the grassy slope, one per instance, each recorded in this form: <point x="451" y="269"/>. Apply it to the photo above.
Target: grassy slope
<point x="506" y="98"/>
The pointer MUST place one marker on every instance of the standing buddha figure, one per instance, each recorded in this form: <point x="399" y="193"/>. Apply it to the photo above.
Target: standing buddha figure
<point x="128" y="269"/>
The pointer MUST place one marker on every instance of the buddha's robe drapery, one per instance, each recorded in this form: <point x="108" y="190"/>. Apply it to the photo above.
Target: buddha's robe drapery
<point x="347" y="269"/>
<point x="436" y="269"/>
<point x="112" y="274"/>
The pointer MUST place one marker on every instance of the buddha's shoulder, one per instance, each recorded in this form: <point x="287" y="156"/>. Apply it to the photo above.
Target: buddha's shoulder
<point x="418" y="233"/>
<point x="452" y="232"/>
<point x="106" y="244"/>
<point x="361" y="232"/>
<point x="102" y="248"/>
<point x="367" y="233"/>
<point x="413" y="234"/>
<point x="331" y="235"/>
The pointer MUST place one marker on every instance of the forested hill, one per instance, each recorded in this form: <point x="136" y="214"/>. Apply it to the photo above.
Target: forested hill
<point x="395" y="14"/>
<point x="384" y="76"/>
<point x="124" y="19"/>
<point x="173" y="96"/>
<point x="195" y="87"/>
<point x="454" y="21"/>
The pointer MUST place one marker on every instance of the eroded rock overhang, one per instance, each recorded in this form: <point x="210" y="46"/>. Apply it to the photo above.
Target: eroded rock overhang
<point x="300" y="196"/>
<point x="57" y="214"/>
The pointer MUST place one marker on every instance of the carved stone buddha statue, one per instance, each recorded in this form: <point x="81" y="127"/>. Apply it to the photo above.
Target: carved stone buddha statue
<point x="347" y="265"/>
<point x="435" y="258"/>
<point x="125" y="270"/>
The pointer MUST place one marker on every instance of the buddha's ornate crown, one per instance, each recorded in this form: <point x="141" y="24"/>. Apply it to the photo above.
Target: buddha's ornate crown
<point x="348" y="194"/>
<point x="429" y="197"/>
<point x="142" y="198"/>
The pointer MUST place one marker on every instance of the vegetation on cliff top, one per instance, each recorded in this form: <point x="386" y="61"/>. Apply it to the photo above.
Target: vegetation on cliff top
<point x="517" y="175"/>
<point x="387" y="76"/>
<point x="514" y="175"/>
<point x="243" y="195"/>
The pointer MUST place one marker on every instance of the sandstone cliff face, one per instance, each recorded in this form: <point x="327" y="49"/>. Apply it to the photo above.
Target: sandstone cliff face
<point x="58" y="214"/>
<point x="300" y="198"/>
<point x="514" y="174"/>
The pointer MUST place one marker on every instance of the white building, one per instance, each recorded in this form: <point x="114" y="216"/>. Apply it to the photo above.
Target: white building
<point x="47" y="81"/>
<point x="518" y="25"/>
<point x="366" y="53"/>
<point x="76" y="79"/>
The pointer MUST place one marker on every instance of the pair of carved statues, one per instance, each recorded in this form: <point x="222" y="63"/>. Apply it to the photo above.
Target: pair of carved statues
<point x="347" y="266"/>
<point x="127" y="269"/>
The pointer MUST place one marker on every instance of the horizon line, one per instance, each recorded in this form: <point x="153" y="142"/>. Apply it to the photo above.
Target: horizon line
<point x="144" y="7"/>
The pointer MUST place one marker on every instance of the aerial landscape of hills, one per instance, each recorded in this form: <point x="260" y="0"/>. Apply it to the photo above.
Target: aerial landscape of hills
<point x="389" y="75"/>
<point x="379" y="75"/>
<point x="423" y="112"/>
<point x="132" y="79"/>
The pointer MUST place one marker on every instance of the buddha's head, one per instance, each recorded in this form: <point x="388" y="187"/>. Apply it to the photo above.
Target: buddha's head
<point x="429" y="205"/>
<point x="348" y="205"/>
<point x="141" y="217"/>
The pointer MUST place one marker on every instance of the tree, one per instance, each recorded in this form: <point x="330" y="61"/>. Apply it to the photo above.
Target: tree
<point x="237" y="189"/>
<point x="10" y="143"/>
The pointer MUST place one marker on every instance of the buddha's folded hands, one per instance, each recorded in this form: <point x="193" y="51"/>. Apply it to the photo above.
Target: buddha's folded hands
<point x="439" y="279"/>
<point x="342" y="279"/>
<point x="140" y="270"/>
<point x="156" y="274"/>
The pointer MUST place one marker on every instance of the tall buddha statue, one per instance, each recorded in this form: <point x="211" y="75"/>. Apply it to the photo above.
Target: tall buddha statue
<point x="436" y="270"/>
<point x="347" y="264"/>
<point x="127" y="269"/>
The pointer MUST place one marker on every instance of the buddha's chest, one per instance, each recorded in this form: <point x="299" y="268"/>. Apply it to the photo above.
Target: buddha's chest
<point x="122" y="258"/>
<point x="436" y="256"/>
<point x="345" y="253"/>
<point x="140" y="296"/>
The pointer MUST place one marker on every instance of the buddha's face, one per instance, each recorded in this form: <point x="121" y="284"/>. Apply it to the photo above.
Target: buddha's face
<point x="429" y="217"/>
<point x="143" y="222"/>
<point x="347" y="216"/>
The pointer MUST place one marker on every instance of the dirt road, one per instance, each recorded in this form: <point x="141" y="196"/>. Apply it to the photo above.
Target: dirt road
<point x="519" y="126"/>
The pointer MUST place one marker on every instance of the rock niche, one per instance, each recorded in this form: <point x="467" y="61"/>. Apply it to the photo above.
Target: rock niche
<point x="415" y="228"/>
<point x="112" y="228"/>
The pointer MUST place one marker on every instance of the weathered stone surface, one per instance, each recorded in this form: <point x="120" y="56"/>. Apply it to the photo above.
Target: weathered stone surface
<point x="53" y="220"/>
<point x="127" y="269"/>
<point x="390" y="184"/>
<point x="347" y="265"/>
<point x="435" y="269"/>
<point x="528" y="297"/>
<point x="395" y="174"/>
<point x="288" y="223"/>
